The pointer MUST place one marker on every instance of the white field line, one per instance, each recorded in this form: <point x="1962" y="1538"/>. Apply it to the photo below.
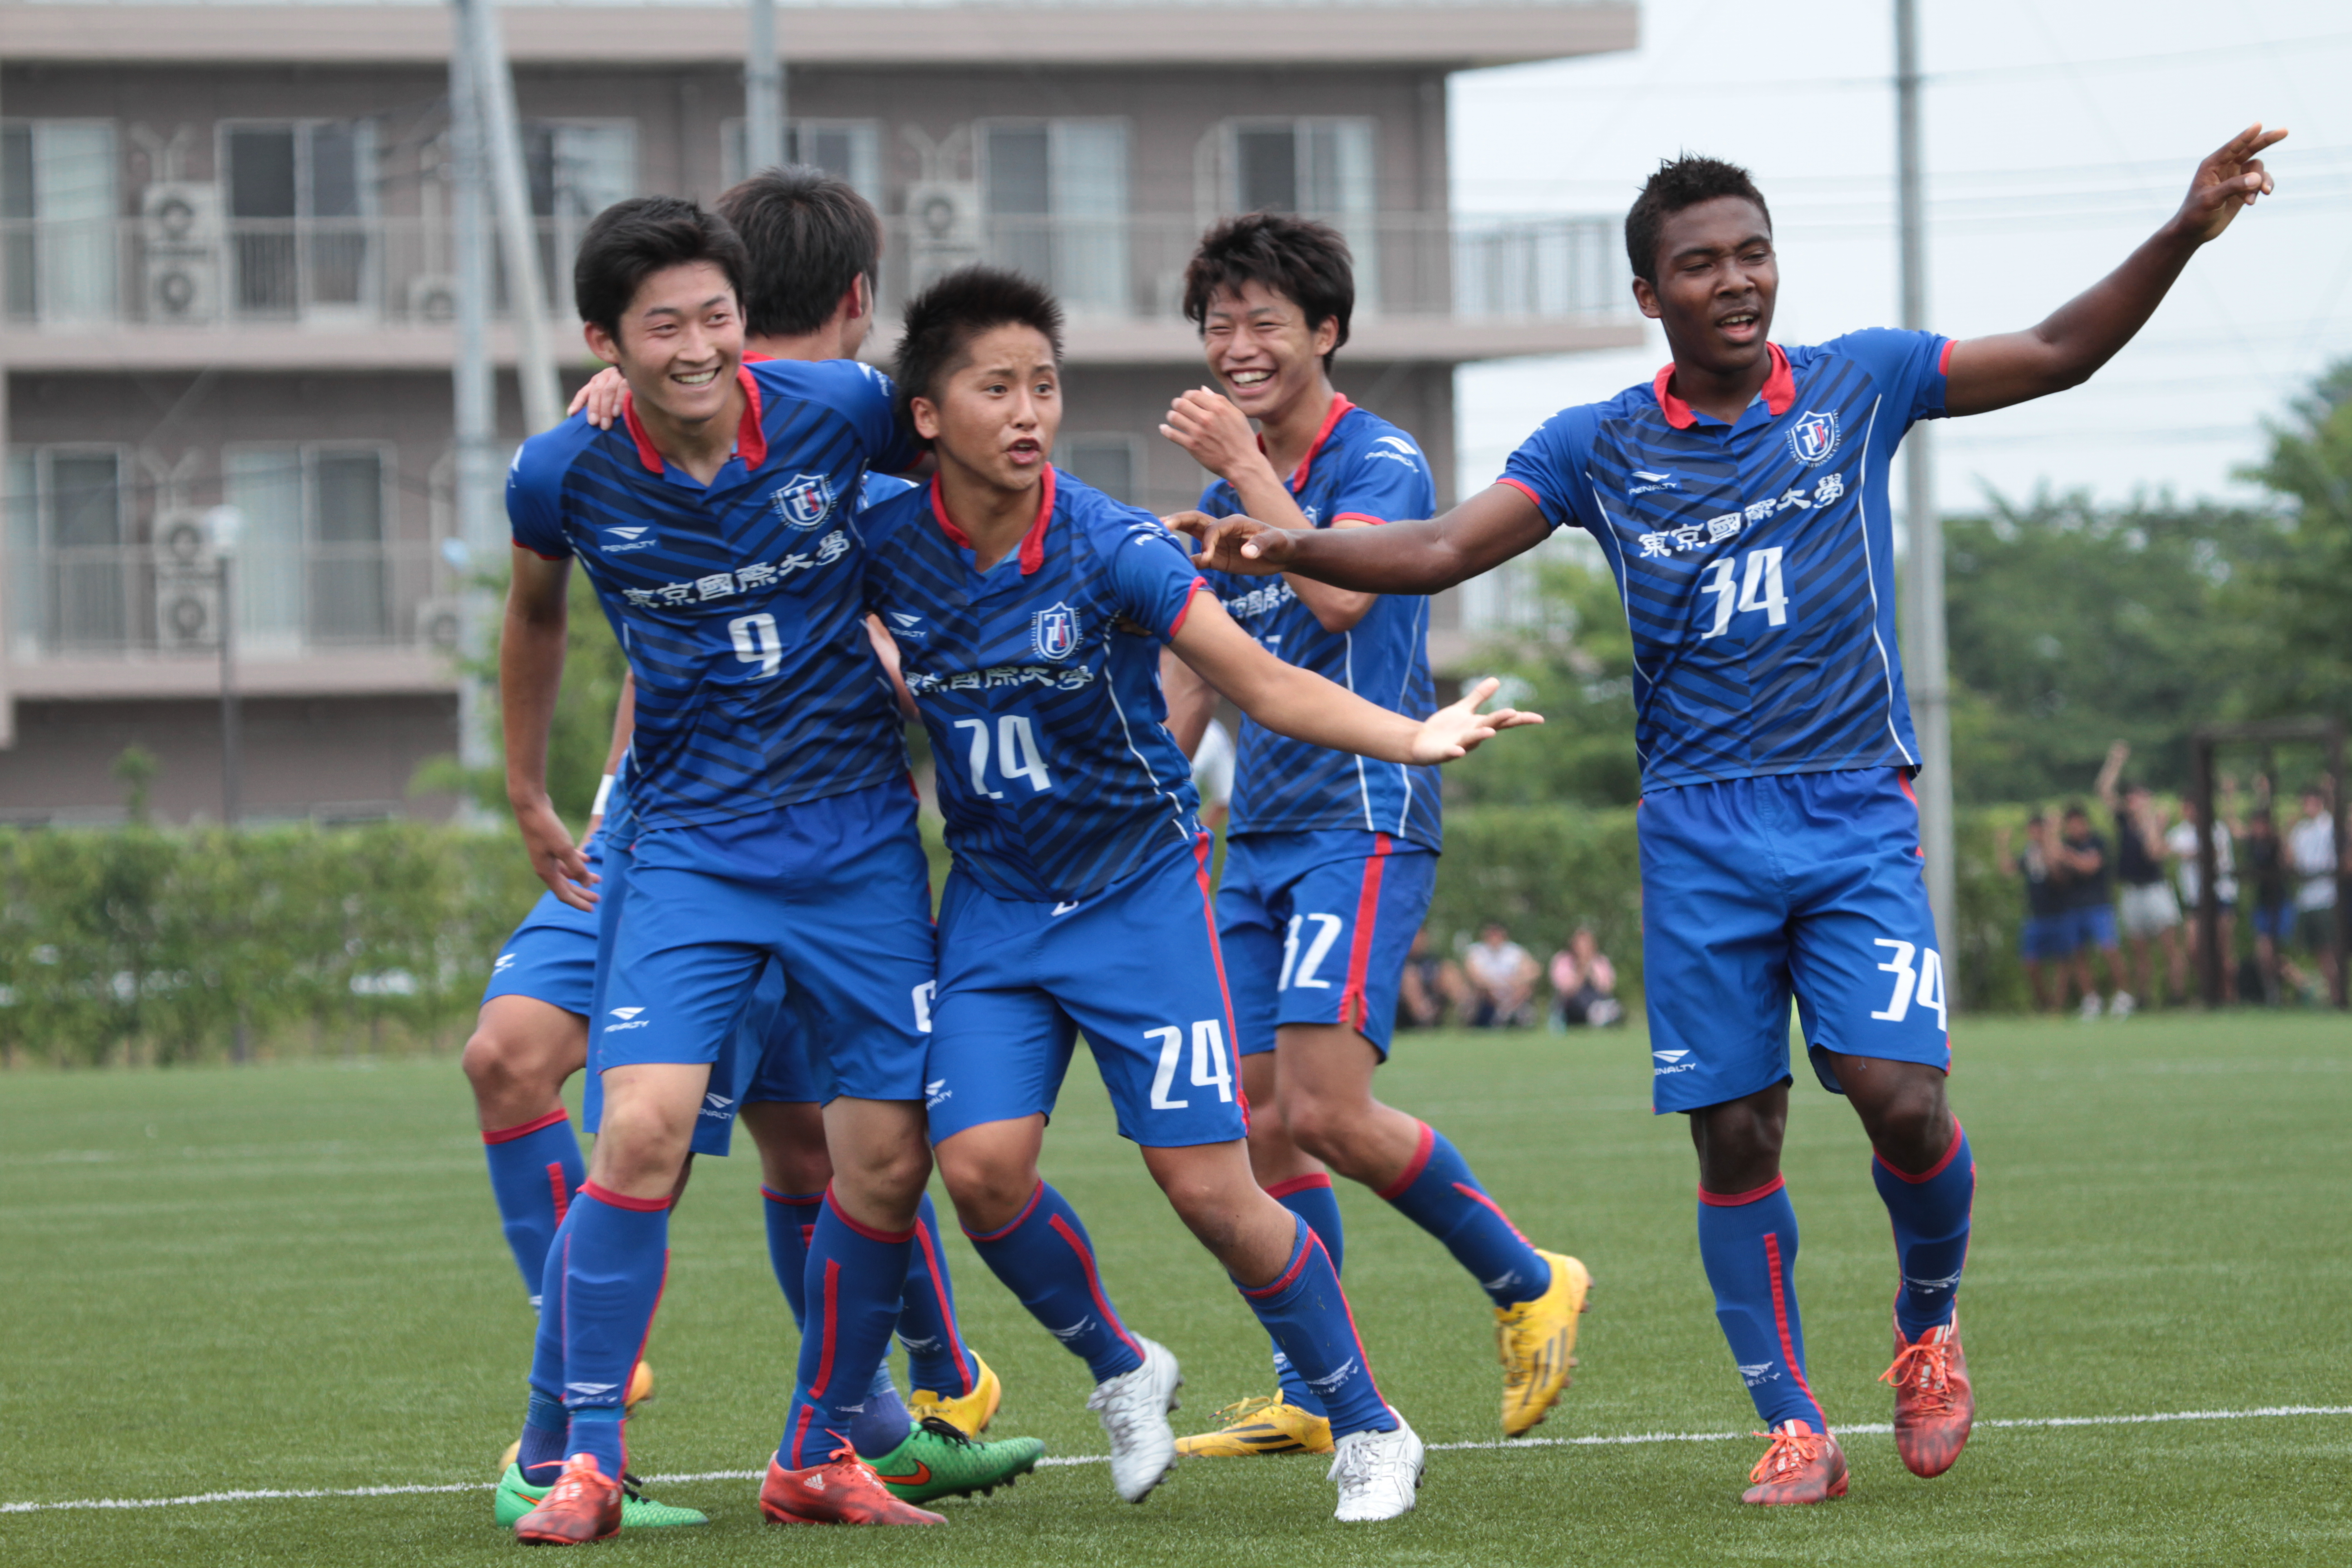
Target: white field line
<point x="1879" y="1429"/>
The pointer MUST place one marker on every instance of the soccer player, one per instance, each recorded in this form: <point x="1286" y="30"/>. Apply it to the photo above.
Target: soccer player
<point x="1030" y="611"/>
<point x="1741" y="500"/>
<point x="1330" y="859"/>
<point x="774" y="820"/>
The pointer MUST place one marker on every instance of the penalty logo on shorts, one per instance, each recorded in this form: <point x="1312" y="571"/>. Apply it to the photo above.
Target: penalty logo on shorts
<point x="1813" y="437"/>
<point x="1055" y="632"/>
<point x="805" y="500"/>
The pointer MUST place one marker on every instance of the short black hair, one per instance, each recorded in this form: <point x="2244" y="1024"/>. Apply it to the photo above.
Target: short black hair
<point x="2076" y="808"/>
<point x="630" y="241"/>
<point x="944" y="318"/>
<point x="1305" y="262"/>
<point x="1680" y="182"/>
<point x="811" y="236"/>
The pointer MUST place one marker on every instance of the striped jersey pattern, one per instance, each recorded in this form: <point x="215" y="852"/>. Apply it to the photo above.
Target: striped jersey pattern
<point x="1364" y="469"/>
<point x="1039" y="685"/>
<point x="738" y="604"/>
<point x="1754" y="560"/>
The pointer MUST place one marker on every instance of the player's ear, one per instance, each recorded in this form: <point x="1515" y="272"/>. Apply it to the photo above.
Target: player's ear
<point x="1645" y="296"/>
<point x="926" y="416"/>
<point x="1326" y="335"/>
<point x="600" y="343"/>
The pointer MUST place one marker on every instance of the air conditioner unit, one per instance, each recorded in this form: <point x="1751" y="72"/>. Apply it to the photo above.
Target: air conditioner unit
<point x="441" y="623"/>
<point x="180" y="234"/>
<point x="182" y="284"/>
<point x="183" y="544"/>
<point x="180" y="214"/>
<point x="944" y="214"/>
<point x="433" y="297"/>
<point x="187" y="613"/>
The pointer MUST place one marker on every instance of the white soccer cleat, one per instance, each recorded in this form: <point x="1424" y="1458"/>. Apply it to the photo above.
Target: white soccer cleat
<point x="1379" y="1474"/>
<point x="2123" y="1006"/>
<point x="1134" y="1408"/>
<point x="2090" y="1009"/>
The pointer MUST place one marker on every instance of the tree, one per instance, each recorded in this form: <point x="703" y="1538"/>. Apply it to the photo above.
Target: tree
<point x="2304" y="585"/>
<point x="1580" y="678"/>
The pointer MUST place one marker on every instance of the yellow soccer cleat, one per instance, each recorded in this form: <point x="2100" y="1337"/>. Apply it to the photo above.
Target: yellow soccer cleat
<point x="968" y="1414"/>
<point x="1538" y="1342"/>
<point x="641" y="1386"/>
<point x="1269" y="1424"/>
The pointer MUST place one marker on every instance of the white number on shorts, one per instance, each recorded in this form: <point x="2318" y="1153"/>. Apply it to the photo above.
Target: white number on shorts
<point x="1300" y="972"/>
<point x="756" y="642"/>
<point x="1760" y="589"/>
<point x="1210" y="1067"/>
<point x="1925" y="984"/>
<point x="1018" y="755"/>
<point x="923" y="998"/>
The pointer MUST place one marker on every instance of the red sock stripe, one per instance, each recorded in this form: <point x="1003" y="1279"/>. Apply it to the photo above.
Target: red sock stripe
<point x="1475" y="1196"/>
<point x="824" y="1344"/>
<point x="1780" y="1319"/>
<point x="1094" y="1281"/>
<point x="1396" y="1189"/>
<point x="868" y="1231"/>
<point x="508" y="1134"/>
<point x="1363" y="1357"/>
<point x="1733" y="1200"/>
<point x="800" y="1435"/>
<point x="604" y="1194"/>
<point x="1300" y="1184"/>
<point x="558" y="1191"/>
<point x="1934" y="1171"/>
<point x="1281" y="1281"/>
<point x="928" y="1246"/>
<point x="796" y="1200"/>
<point x="1354" y="1009"/>
<point x="1018" y="1220"/>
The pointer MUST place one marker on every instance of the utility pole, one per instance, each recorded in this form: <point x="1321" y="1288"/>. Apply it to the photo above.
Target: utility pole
<point x="473" y="391"/>
<point x="225" y="523"/>
<point x="478" y="36"/>
<point x="1925" y="662"/>
<point x="763" y="92"/>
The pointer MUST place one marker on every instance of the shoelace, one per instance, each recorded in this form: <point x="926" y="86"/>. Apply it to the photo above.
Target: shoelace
<point x="1790" y="1452"/>
<point x="1924" y="1370"/>
<point x="570" y="1488"/>
<point x="945" y="1431"/>
<point x="1243" y="1409"/>
<point x="1122" y="1417"/>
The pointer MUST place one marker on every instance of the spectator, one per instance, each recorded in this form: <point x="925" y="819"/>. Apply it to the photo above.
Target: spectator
<point x="1430" y="984"/>
<point x="1212" y="775"/>
<point x="2151" y="915"/>
<point x="1583" y="984"/>
<point x="2182" y="844"/>
<point x="2267" y="878"/>
<point x="2311" y="855"/>
<point x="2088" y="873"/>
<point x="1502" y="980"/>
<point x="2041" y="940"/>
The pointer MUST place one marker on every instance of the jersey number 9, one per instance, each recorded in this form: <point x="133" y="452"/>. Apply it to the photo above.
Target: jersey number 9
<point x="756" y="642"/>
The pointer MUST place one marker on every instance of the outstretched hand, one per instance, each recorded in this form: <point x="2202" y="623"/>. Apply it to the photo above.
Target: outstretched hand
<point x="1456" y="730"/>
<point x="553" y="855"/>
<point x="1236" y="543"/>
<point x="2229" y="179"/>
<point x="600" y="398"/>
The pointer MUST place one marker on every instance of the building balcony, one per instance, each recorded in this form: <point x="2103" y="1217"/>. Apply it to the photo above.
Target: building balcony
<point x="178" y="290"/>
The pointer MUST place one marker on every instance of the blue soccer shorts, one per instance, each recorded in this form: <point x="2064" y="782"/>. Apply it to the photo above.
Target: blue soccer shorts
<point x="1315" y="927"/>
<point x="552" y="956"/>
<point x="1755" y="889"/>
<point x="2043" y="939"/>
<point x="1137" y="967"/>
<point x="2094" y="926"/>
<point x="836" y="892"/>
<point x="770" y="1050"/>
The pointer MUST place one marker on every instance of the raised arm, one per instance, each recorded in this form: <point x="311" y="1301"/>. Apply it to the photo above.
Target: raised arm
<point x="530" y="674"/>
<point x="2083" y="334"/>
<point x="1304" y="706"/>
<point x="1419" y="557"/>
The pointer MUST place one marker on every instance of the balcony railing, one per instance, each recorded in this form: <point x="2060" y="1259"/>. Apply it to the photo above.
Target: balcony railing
<point x="395" y="272"/>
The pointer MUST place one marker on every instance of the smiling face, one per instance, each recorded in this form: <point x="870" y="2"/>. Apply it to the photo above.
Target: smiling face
<point x="1717" y="278"/>
<point x="994" y="413"/>
<point x="1262" y="349"/>
<point x="679" y="343"/>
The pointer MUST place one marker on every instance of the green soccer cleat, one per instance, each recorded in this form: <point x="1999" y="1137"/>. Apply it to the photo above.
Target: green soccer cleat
<point x="518" y="1497"/>
<point x="938" y="1460"/>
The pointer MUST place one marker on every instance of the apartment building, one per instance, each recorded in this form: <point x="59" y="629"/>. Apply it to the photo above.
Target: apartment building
<point x="224" y="279"/>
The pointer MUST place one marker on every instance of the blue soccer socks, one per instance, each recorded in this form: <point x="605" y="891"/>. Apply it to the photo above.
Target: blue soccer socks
<point x="856" y="1276"/>
<point x="792" y="1217"/>
<point x="1312" y="1200"/>
<point x="615" y="1259"/>
<point x="1748" y="1243"/>
<point x="1930" y="1212"/>
<point x="936" y="1356"/>
<point x="534" y="1170"/>
<point x="542" y="1453"/>
<point x="1438" y="1194"/>
<point x="1045" y="1260"/>
<point x="1305" y="1311"/>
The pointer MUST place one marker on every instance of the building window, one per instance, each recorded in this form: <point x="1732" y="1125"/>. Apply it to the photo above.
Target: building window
<point x="1109" y="461"/>
<point x="1054" y="194"/>
<point x="1317" y="168"/>
<point x="576" y="168"/>
<point x="299" y="193"/>
<point x="313" y="564"/>
<point x="848" y="150"/>
<point x="69" y="570"/>
<point x="58" y="217"/>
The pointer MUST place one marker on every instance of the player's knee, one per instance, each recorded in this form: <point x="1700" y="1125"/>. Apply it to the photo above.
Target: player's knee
<point x="988" y="1193"/>
<point x="1912" y="1124"/>
<point x="1318" y="1126"/>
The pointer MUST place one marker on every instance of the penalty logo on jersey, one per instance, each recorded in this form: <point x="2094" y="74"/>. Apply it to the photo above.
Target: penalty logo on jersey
<point x="1813" y="437"/>
<point x="805" y="500"/>
<point x="1055" y="632"/>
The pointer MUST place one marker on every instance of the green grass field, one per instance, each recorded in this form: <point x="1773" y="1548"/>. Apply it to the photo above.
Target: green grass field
<point x="291" y="1278"/>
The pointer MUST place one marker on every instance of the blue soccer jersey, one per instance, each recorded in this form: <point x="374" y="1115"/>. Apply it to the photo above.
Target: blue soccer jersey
<point x="1361" y="469"/>
<point x="1756" y="559"/>
<point x="1039" y="684"/>
<point x="738" y="604"/>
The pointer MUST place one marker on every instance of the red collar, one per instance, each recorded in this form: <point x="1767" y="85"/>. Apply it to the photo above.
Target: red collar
<point x="751" y="441"/>
<point x="1780" y="392"/>
<point x="1340" y="407"/>
<point x="1033" y="543"/>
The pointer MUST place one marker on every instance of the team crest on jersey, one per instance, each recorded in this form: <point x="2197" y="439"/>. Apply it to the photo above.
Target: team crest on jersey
<point x="1813" y="437"/>
<point x="805" y="500"/>
<point x="1055" y="631"/>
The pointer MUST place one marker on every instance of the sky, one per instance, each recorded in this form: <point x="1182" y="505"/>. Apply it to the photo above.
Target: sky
<point x="2056" y="137"/>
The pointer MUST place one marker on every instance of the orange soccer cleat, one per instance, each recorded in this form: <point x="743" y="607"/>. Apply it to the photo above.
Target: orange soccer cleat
<point x="1801" y="1466"/>
<point x="1934" y="1406"/>
<point x="583" y="1505"/>
<point x="843" y="1491"/>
